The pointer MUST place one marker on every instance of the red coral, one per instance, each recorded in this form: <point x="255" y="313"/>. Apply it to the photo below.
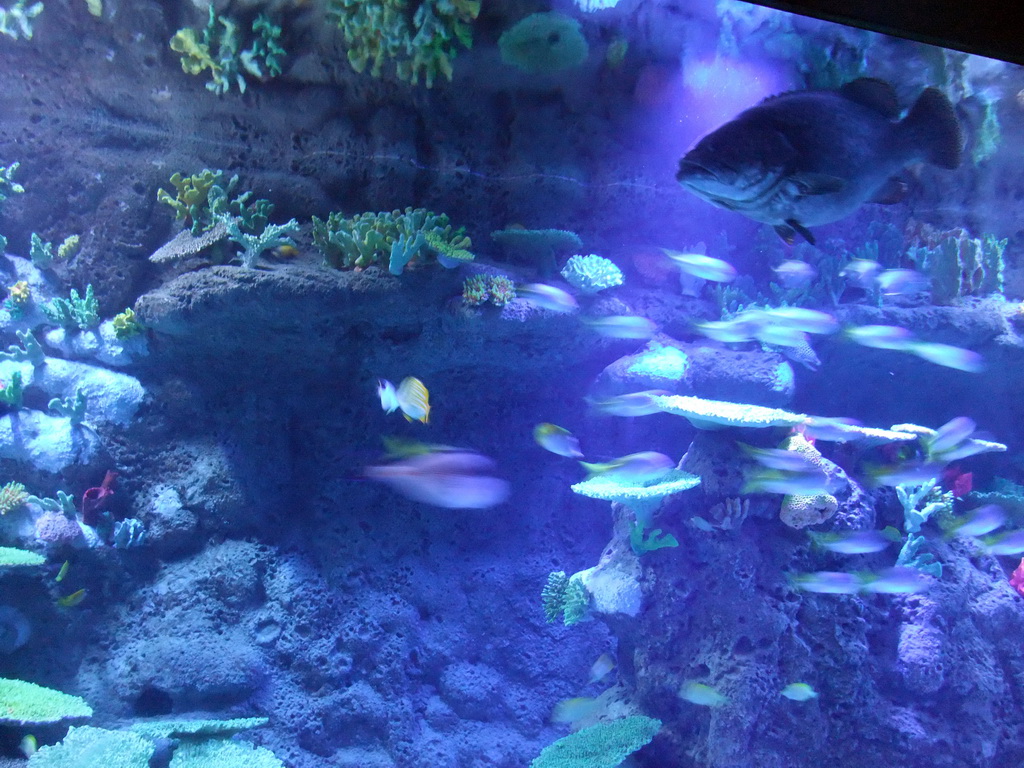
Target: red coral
<point x="1017" y="578"/>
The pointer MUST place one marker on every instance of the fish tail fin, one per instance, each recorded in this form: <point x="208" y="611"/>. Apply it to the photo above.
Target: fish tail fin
<point x="932" y="126"/>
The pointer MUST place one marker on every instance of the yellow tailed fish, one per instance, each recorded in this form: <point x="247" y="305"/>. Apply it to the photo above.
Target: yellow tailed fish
<point x="29" y="745"/>
<point x="63" y="571"/>
<point x="701" y="694"/>
<point x="604" y="664"/>
<point x="571" y="710"/>
<point x="799" y="692"/>
<point x="70" y="601"/>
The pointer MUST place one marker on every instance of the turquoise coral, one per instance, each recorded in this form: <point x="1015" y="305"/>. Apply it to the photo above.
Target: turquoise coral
<point x="603" y="745"/>
<point x="396" y="237"/>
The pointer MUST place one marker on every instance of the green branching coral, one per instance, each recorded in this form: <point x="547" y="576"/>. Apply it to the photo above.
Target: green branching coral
<point x="8" y="186"/>
<point x="218" y="48"/>
<point x="74" y="313"/>
<point x="16" y="21"/>
<point x="204" y="200"/>
<point x="396" y="237"/>
<point x="422" y="38"/>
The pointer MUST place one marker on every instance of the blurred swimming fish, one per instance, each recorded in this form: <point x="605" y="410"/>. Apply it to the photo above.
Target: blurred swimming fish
<point x="70" y="601"/>
<point x="881" y="336"/>
<point x="557" y="440"/>
<point x="826" y="582"/>
<point x="794" y="274"/>
<point x="388" y="395"/>
<point x="807" y="158"/>
<point x="802" y="319"/>
<point x="781" y="336"/>
<point x="701" y="694"/>
<point x="732" y="331"/>
<point x="1007" y="543"/>
<point x="604" y="664"/>
<point x="894" y="581"/>
<point x="977" y="522"/>
<point x="862" y="273"/>
<point x="640" y="467"/>
<point x="808" y="482"/>
<point x="799" y="692"/>
<point x="778" y="458"/>
<point x="948" y="356"/>
<point x="855" y="542"/>
<point x="830" y="429"/>
<point x="63" y="571"/>
<point x="909" y="473"/>
<point x="704" y="267"/>
<point x="950" y="435"/>
<point x="454" y="479"/>
<point x="571" y="710"/>
<point x="547" y="297"/>
<point x="621" y="326"/>
<point x="632" y="404"/>
<point x="901" y="282"/>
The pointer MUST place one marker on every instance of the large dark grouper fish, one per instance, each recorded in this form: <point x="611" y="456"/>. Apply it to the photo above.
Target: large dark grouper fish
<point x="812" y="157"/>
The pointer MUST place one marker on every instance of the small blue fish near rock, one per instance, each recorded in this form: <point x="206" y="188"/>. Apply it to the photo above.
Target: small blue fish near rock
<point x="799" y="692"/>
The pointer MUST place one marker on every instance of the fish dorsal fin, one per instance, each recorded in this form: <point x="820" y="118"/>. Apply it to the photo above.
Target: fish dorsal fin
<point x="874" y="94"/>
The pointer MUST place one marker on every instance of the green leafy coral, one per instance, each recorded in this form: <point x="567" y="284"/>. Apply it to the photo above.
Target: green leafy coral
<point x="23" y="703"/>
<point x="602" y="745"/>
<point x="397" y="237"/>
<point x="74" y="313"/>
<point x="218" y="48"/>
<point x="421" y="38"/>
<point x="16" y="22"/>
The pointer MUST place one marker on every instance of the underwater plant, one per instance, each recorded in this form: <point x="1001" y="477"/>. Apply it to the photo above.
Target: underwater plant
<point x="76" y="312"/>
<point x="8" y="186"/>
<point x="16" y="21"/>
<point x="398" y="236"/>
<point x="420" y="38"/>
<point x="218" y="48"/>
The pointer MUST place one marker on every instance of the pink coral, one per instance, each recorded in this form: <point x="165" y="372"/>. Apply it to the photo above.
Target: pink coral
<point x="1017" y="578"/>
<point x="55" y="530"/>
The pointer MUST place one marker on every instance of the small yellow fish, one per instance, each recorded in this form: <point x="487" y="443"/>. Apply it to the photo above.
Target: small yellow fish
<point x="616" y="52"/>
<point x="701" y="694"/>
<point x="413" y="398"/>
<point x="799" y="692"/>
<point x="29" y="746"/>
<point x="286" y="251"/>
<point x="63" y="571"/>
<point x="604" y="664"/>
<point x="571" y="710"/>
<point x="559" y="441"/>
<point x="70" y="601"/>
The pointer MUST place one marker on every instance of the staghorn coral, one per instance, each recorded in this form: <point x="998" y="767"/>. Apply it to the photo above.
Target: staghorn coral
<point x="421" y="38"/>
